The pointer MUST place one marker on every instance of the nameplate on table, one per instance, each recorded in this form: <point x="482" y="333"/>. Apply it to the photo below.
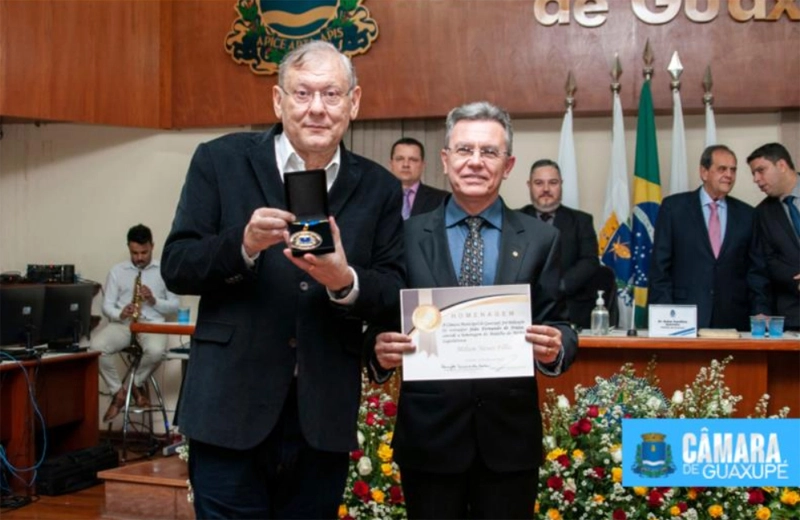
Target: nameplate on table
<point x="672" y="321"/>
<point x="467" y="332"/>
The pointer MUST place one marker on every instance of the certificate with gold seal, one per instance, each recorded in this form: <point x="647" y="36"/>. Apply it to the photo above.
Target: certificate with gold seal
<point x="467" y="332"/>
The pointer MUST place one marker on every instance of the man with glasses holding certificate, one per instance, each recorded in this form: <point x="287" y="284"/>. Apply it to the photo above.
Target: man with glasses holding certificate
<point x="471" y="448"/>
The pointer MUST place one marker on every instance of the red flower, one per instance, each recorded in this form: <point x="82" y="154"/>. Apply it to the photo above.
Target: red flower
<point x="396" y="495"/>
<point x="390" y="409"/>
<point x="555" y="482"/>
<point x="361" y="490"/>
<point x="373" y="401"/>
<point x="683" y="506"/>
<point x="655" y="498"/>
<point x="619" y="514"/>
<point x="574" y="430"/>
<point x="593" y="411"/>
<point x="599" y="472"/>
<point x="755" y="496"/>
<point x="370" y="420"/>
<point x="585" y="425"/>
<point x="356" y="455"/>
<point x="569" y="496"/>
<point x="563" y="460"/>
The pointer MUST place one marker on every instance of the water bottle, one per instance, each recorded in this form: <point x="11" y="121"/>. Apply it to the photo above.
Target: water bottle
<point x="600" y="319"/>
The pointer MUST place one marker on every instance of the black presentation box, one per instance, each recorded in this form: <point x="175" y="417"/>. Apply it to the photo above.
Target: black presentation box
<point x="307" y="198"/>
<point x="75" y="471"/>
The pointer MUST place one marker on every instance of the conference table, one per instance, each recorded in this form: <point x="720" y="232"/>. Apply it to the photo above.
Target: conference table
<point x="759" y="366"/>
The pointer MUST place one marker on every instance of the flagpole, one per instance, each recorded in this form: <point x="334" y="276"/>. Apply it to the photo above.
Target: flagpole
<point x="679" y="176"/>
<point x="567" y="160"/>
<point x="708" y="101"/>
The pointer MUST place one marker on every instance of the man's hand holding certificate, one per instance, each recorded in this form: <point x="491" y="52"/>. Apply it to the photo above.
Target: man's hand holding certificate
<point x="465" y="333"/>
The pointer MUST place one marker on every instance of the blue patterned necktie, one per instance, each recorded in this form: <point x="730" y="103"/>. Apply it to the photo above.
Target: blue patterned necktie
<point x="794" y="213"/>
<point x="472" y="260"/>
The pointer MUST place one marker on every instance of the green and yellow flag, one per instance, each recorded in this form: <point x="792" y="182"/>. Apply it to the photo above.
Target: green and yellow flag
<point x="646" y="201"/>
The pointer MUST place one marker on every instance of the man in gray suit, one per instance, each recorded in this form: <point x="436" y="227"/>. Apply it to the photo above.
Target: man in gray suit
<point x="778" y="227"/>
<point x="472" y="448"/>
<point x="271" y="396"/>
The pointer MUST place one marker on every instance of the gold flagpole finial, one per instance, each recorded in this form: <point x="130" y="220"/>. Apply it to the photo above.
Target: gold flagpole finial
<point x="648" y="61"/>
<point x="708" y="97"/>
<point x="570" y="89"/>
<point x="616" y="72"/>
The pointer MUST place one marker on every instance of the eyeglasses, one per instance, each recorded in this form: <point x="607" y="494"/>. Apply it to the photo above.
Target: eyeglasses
<point x="330" y="96"/>
<point x="487" y="153"/>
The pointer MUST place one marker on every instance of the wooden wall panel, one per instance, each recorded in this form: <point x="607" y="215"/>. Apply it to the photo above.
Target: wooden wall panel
<point x="94" y="61"/>
<point x="162" y="62"/>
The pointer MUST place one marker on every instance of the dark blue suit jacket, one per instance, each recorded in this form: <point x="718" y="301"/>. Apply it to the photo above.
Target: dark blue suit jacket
<point x="255" y="325"/>
<point x="781" y="248"/>
<point x="427" y="199"/>
<point x="442" y="425"/>
<point x="683" y="270"/>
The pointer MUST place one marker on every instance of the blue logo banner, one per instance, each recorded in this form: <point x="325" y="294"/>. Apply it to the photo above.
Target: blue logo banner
<point x="710" y="452"/>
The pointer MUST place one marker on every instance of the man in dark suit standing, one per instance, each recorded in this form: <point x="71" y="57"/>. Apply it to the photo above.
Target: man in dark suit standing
<point x="778" y="227"/>
<point x="472" y="448"/>
<point x="579" y="263"/>
<point x="408" y="163"/>
<point x="271" y="395"/>
<point x="703" y="251"/>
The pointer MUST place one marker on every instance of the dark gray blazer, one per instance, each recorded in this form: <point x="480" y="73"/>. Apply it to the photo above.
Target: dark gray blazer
<point x="441" y="425"/>
<point x="255" y="325"/>
<point x="683" y="270"/>
<point x="427" y="199"/>
<point x="781" y="249"/>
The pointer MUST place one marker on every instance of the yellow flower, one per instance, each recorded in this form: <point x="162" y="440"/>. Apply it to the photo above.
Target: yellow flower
<point x="378" y="496"/>
<point x="342" y="511"/>
<point x="556" y="453"/>
<point x="763" y="513"/>
<point x="578" y="455"/>
<point x="770" y="489"/>
<point x="598" y="499"/>
<point x="386" y="469"/>
<point x="553" y="514"/>
<point x="641" y="491"/>
<point x="715" y="511"/>
<point x="536" y="507"/>
<point x="385" y="452"/>
<point x="691" y="494"/>
<point x="675" y="511"/>
<point x="388" y="437"/>
<point x="790" y="498"/>
<point x="616" y="474"/>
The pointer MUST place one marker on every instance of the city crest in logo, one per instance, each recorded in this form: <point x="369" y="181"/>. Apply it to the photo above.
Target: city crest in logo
<point x="653" y="456"/>
<point x="266" y="30"/>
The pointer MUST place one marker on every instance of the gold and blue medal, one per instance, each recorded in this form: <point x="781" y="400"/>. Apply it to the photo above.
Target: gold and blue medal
<point x="305" y="239"/>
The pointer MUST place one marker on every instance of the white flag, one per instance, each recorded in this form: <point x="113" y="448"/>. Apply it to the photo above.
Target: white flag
<point x="615" y="236"/>
<point x="568" y="164"/>
<point x="711" y="126"/>
<point x="679" y="176"/>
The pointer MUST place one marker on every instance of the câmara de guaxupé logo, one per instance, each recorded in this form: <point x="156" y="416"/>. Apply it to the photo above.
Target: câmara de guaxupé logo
<point x="266" y="30"/>
<point x="653" y="456"/>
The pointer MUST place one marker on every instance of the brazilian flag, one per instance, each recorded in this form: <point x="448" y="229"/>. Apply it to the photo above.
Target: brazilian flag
<point x="646" y="201"/>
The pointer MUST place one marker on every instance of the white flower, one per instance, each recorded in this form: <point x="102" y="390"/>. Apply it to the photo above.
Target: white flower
<point x="549" y="442"/>
<point x="563" y="402"/>
<point x="653" y="402"/>
<point x="727" y="407"/>
<point x="361" y="439"/>
<point x="677" y="397"/>
<point x="364" y="466"/>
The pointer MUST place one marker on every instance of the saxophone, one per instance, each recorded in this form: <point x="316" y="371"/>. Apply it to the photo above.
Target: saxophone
<point x="137" y="298"/>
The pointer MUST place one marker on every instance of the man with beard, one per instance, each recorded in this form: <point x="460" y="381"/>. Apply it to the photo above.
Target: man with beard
<point x="119" y="308"/>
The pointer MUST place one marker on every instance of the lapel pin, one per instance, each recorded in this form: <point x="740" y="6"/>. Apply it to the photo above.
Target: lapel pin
<point x="514" y="254"/>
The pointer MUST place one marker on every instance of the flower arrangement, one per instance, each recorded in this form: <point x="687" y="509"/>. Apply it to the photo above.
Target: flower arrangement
<point x="373" y="486"/>
<point x="582" y="474"/>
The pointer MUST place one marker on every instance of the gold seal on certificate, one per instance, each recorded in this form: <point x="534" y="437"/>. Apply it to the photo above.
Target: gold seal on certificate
<point x="305" y="240"/>
<point x="426" y="318"/>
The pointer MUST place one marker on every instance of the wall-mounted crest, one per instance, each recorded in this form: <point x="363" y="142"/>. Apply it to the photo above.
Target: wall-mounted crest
<point x="268" y="29"/>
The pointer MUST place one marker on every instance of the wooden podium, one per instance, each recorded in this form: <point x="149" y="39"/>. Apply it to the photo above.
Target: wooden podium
<point x="65" y="392"/>
<point x="759" y="366"/>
